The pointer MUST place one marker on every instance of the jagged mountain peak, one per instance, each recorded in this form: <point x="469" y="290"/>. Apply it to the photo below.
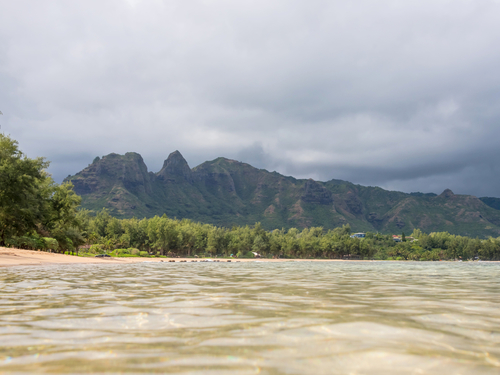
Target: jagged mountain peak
<point x="115" y="172"/>
<point x="126" y="156"/>
<point x="175" y="166"/>
<point x="175" y="161"/>
<point x="175" y="158"/>
<point x="447" y="193"/>
<point x="115" y="164"/>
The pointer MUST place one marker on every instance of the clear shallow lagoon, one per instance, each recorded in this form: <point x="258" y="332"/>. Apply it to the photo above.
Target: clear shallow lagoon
<point x="252" y="318"/>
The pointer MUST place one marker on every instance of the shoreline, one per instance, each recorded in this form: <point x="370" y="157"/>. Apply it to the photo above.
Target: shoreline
<point x="11" y="257"/>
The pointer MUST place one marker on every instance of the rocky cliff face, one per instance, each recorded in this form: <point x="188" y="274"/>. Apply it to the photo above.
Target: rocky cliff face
<point x="128" y="170"/>
<point x="227" y="192"/>
<point x="116" y="181"/>
<point x="315" y="193"/>
<point x="175" y="169"/>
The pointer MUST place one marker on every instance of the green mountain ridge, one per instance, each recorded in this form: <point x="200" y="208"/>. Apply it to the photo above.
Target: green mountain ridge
<point x="227" y="192"/>
<point x="492" y="202"/>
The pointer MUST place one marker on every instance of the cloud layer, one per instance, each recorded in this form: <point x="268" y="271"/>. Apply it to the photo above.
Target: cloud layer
<point x="403" y="95"/>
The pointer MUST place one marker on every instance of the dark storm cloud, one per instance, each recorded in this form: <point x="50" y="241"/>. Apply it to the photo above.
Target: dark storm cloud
<point x="404" y="95"/>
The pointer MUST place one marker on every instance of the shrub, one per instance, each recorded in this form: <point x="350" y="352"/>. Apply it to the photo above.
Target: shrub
<point x="144" y="254"/>
<point x="28" y="242"/>
<point x="248" y="254"/>
<point x="39" y="241"/>
<point x="134" y="251"/>
<point x="25" y="242"/>
<point x="51" y="243"/>
<point x="96" y="249"/>
<point x="122" y="252"/>
<point x="12" y="242"/>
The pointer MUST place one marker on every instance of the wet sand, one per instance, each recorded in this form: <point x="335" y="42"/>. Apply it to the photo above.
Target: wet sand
<point x="18" y="257"/>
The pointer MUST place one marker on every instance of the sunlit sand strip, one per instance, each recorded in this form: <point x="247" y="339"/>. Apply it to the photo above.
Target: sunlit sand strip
<point x="18" y="257"/>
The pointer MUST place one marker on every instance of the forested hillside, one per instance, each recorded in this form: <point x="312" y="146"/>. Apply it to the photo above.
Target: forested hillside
<point x="227" y="192"/>
<point x="492" y="202"/>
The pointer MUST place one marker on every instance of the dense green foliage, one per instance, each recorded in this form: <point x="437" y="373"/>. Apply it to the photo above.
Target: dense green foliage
<point x="36" y="213"/>
<point x="162" y="236"/>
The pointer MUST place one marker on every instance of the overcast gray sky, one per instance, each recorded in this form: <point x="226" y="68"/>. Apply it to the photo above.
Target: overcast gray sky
<point x="400" y="94"/>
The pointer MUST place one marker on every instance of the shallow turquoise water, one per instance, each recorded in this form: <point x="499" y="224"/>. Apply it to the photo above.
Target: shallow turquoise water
<point x="252" y="318"/>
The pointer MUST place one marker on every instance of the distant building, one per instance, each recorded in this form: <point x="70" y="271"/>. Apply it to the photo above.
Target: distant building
<point x="358" y="235"/>
<point x="396" y="238"/>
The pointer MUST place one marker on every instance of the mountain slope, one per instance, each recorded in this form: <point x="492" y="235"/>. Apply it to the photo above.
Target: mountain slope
<point x="492" y="202"/>
<point x="227" y="192"/>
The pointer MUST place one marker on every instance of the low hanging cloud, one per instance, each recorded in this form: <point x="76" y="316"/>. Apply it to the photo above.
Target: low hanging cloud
<point x="403" y="95"/>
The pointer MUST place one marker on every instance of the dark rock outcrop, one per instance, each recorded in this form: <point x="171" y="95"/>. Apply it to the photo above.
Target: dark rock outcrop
<point x="175" y="168"/>
<point x="316" y="193"/>
<point x="447" y="193"/>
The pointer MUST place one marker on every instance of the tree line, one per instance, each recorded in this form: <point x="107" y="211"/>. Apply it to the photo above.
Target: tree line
<point x="163" y="236"/>
<point x="37" y="213"/>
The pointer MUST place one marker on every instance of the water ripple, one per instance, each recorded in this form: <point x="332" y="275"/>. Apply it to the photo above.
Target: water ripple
<point x="252" y="318"/>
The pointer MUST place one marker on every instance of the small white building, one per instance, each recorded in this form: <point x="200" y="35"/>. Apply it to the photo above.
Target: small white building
<point x="358" y="235"/>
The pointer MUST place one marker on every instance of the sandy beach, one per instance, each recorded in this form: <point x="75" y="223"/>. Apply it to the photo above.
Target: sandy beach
<point x="20" y="257"/>
<point x="10" y="257"/>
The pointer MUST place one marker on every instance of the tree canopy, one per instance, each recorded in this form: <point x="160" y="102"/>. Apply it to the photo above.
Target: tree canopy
<point x="30" y="201"/>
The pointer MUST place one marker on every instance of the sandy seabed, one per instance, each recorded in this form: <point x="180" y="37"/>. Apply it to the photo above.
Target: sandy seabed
<point x="19" y="257"/>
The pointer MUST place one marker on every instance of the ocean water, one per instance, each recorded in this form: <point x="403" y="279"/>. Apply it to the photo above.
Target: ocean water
<point x="252" y="318"/>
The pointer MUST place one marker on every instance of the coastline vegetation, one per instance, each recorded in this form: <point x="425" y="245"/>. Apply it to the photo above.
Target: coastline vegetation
<point x="36" y="213"/>
<point x="162" y="236"/>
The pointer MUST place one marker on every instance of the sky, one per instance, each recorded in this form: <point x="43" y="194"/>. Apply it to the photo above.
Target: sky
<point x="399" y="94"/>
